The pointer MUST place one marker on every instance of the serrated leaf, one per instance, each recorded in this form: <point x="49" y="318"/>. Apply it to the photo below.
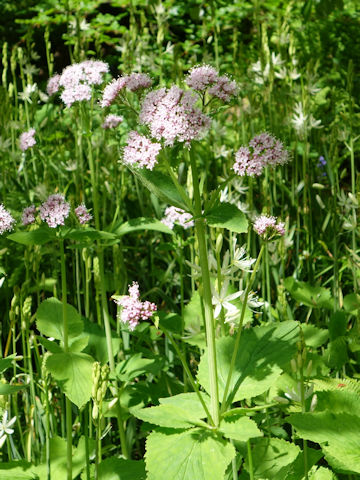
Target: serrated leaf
<point x="74" y="371"/>
<point x="322" y="473"/>
<point x="193" y="454"/>
<point x="49" y="317"/>
<point x="340" y="431"/>
<point x="309" y="295"/>
<point x="337" y="401"/>
<point x="314" y="337"/>
<point x="352" y="302"/>
<point x="239" y="428"/>
<point x="270" y="456"/>
<point x="262" y="353"/>
<point x="227" y="215"/>
<point x="120" y="469"/>
<point x="39" y="236"/>
<point x="141" y="223"/>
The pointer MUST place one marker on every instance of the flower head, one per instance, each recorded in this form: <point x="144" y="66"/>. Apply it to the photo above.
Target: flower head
<point x="140" y="151"/>
<point x="5" y="427"/>
<point x="28" y="215"/>
<point x="83" y="214"/>
<point x="112" y="121"/>
<point x="267" y="227"/>
<point x="206" y="77"/>
<point x="172" y="116"/>
<point x="263" y="150"/>
<point x="53" y="84"/>
<point x="133" y="309"/>
<point x="177" y="215"/>
<point x="6" y="220"/>
<point x="133" y="82"/>
<point x="27" y="139"/>
<point x="55" y="210"/>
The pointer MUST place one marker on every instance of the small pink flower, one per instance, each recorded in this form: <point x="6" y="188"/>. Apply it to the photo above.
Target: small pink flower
<point x="177" y="215"/>
<point x="133" y="309"/>
<point x="267" y="226"/>
<point x="140" y="151"/>
<point x="28" y="215"/>
<point x="27" y="139"/>
<point x="112" y="121"/>
<point x="55" y="210"/>
<point x="6" y="220"/>
<point x="53" y="84"/>
<point x="207" y="78"/>
<point x="83" y="214"/>
<point x="133" y="82"/>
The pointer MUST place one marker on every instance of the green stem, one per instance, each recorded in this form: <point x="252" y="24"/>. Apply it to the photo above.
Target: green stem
<point x="224" y="402"/>
<point x="66" y="349"/>
<point x="207" y="297"/>
<point x="250" y="460"/>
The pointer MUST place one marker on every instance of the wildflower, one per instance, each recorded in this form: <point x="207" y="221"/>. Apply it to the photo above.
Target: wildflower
<point x="78" y="78"/>
<point x="171" y="115"/>
<point x="28" y="215"/>
<point x="133" y="82"/>
<point x="83" y="214"/>
<point x="267" y="226"/>
<point x="133" y="309"/>
<point x="55" y="210"/>
<point x="221" y="300"/>
<point x="5" y="427"/>
<point x="240" y="261"/>
<point x="140" y="151"/>
<point x="112" y="121"/>
<point x="28" y="91"/>
<point x="303" y="122"/>
<point x="263" y="150"/>
<point x="6" y="220"/>
<point x="177" y="215"/>
<point x="206" y="77"/>
<point x="27" y="139"/>
<point x="53" y="84"/>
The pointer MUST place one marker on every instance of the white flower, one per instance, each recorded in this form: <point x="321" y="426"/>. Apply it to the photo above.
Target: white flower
<point x="240" y="261"/>
<point x="276" y="59"/>
<point x="222" y="300"/>
<point x="295" y="393"/>
<point x="281" y="73"/>
<point x="252" y="300"/>
<point x="5" y="427"/>
<point x="299" y="118"/>
<point x="294" y="75"/>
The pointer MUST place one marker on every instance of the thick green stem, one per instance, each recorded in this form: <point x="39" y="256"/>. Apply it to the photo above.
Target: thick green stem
<point x="224" y="403"/>
<point x="66" y="349"/>
<point x="207" y="297"/>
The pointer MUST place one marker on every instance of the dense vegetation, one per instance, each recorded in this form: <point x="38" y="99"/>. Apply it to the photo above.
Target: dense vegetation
<point x="179" y="240"/>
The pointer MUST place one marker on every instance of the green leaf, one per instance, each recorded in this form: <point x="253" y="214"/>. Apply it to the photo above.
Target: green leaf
<point x="262" y="354"/>
<point x="322" y="473"/>
<point x="227" y="215"/>
<point x="120" y="469"/>
<point x="142" y="223"/>
<point x="352" y="302"/>
<point x="34" y="237"/>
<point x="270" y="456"/>
<point x="314" y="297"/>
<point x="74" y="371"/>
<point x="180" y="411"/>
<point x="295" y="471"/>
<point x="6" y="389"/>
<point x="314" y="337"/>
<point x="193" y="454"/>
<point x="51" y="346"/>
<point x="97" y="346"/>
<point x="239" y="428"/>
<point x="17" y="470"/>
<point x="88" y="235"/>
<point x="160" y="185"/>
<point x="78" y="344"/>
<point x="50" y="319"/>
<point x="135" y="365"/>
<point x="7" y="362"/>
<point x="337" y="401"/>
<point x="338" y="434"/>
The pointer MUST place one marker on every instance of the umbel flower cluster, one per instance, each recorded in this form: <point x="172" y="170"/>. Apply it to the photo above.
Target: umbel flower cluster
<point x="174" y="215"/>
<point x="133" y="309"/>
<point x="27" y="139"/>
<point x="6" y="220"/>
<point x="268" y="226"/>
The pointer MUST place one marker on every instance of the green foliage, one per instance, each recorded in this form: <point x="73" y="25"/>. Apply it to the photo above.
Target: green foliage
<point x="239" y="428"/>
<point x="141" y="223"/>
<point x="314" y="297"/>
<point x="50" y="319"/>
<point x="227" y="216"/>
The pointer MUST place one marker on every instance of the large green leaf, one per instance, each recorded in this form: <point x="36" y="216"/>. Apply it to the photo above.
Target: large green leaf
<point x="314" y="297"/>
<point x="314" y="337"/>
<point x="160" y="185"/>
<point x="270" y="456"/>
<point x="6" y="389"/>
<point x="239" y="428"/>
<point x="49" y="317"/>
<point x="74" y="372"/>
<point x="180" y="411"/>
<point x="97" y="346"/>
<point x="135" y="365"/>
<point x="195" y="454"/>
<point x="338" y="433"/>
<point x="120" y="469"/>
<point x="34" y="237"/>
<point x="262" y="354"/>
<point x="321" y="473"/>
<point x="142" y="223"/>
<point x="227" y="215"/>
<point x="338" y="401"/>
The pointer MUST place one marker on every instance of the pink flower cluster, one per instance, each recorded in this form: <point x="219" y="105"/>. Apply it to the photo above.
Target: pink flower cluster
<point x="263" y="150"/>
<point x="171" y="115"/>
<point x="27" y="139"/>
<point x="83" y="214"/>
<point x="77" y="80"/>
<point x="55" y="210"/>
<point x="207" y="78"/>
<point x="112" y="121"/>
<point x="28" y="215"/>
<point x="177" y="215"/>
<point x="133" y="309"/>
<point x="267" y="226"/>
<point x="133" y="82"/>
<point x="140" y="151"/>
<point x="6" y="220"/>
